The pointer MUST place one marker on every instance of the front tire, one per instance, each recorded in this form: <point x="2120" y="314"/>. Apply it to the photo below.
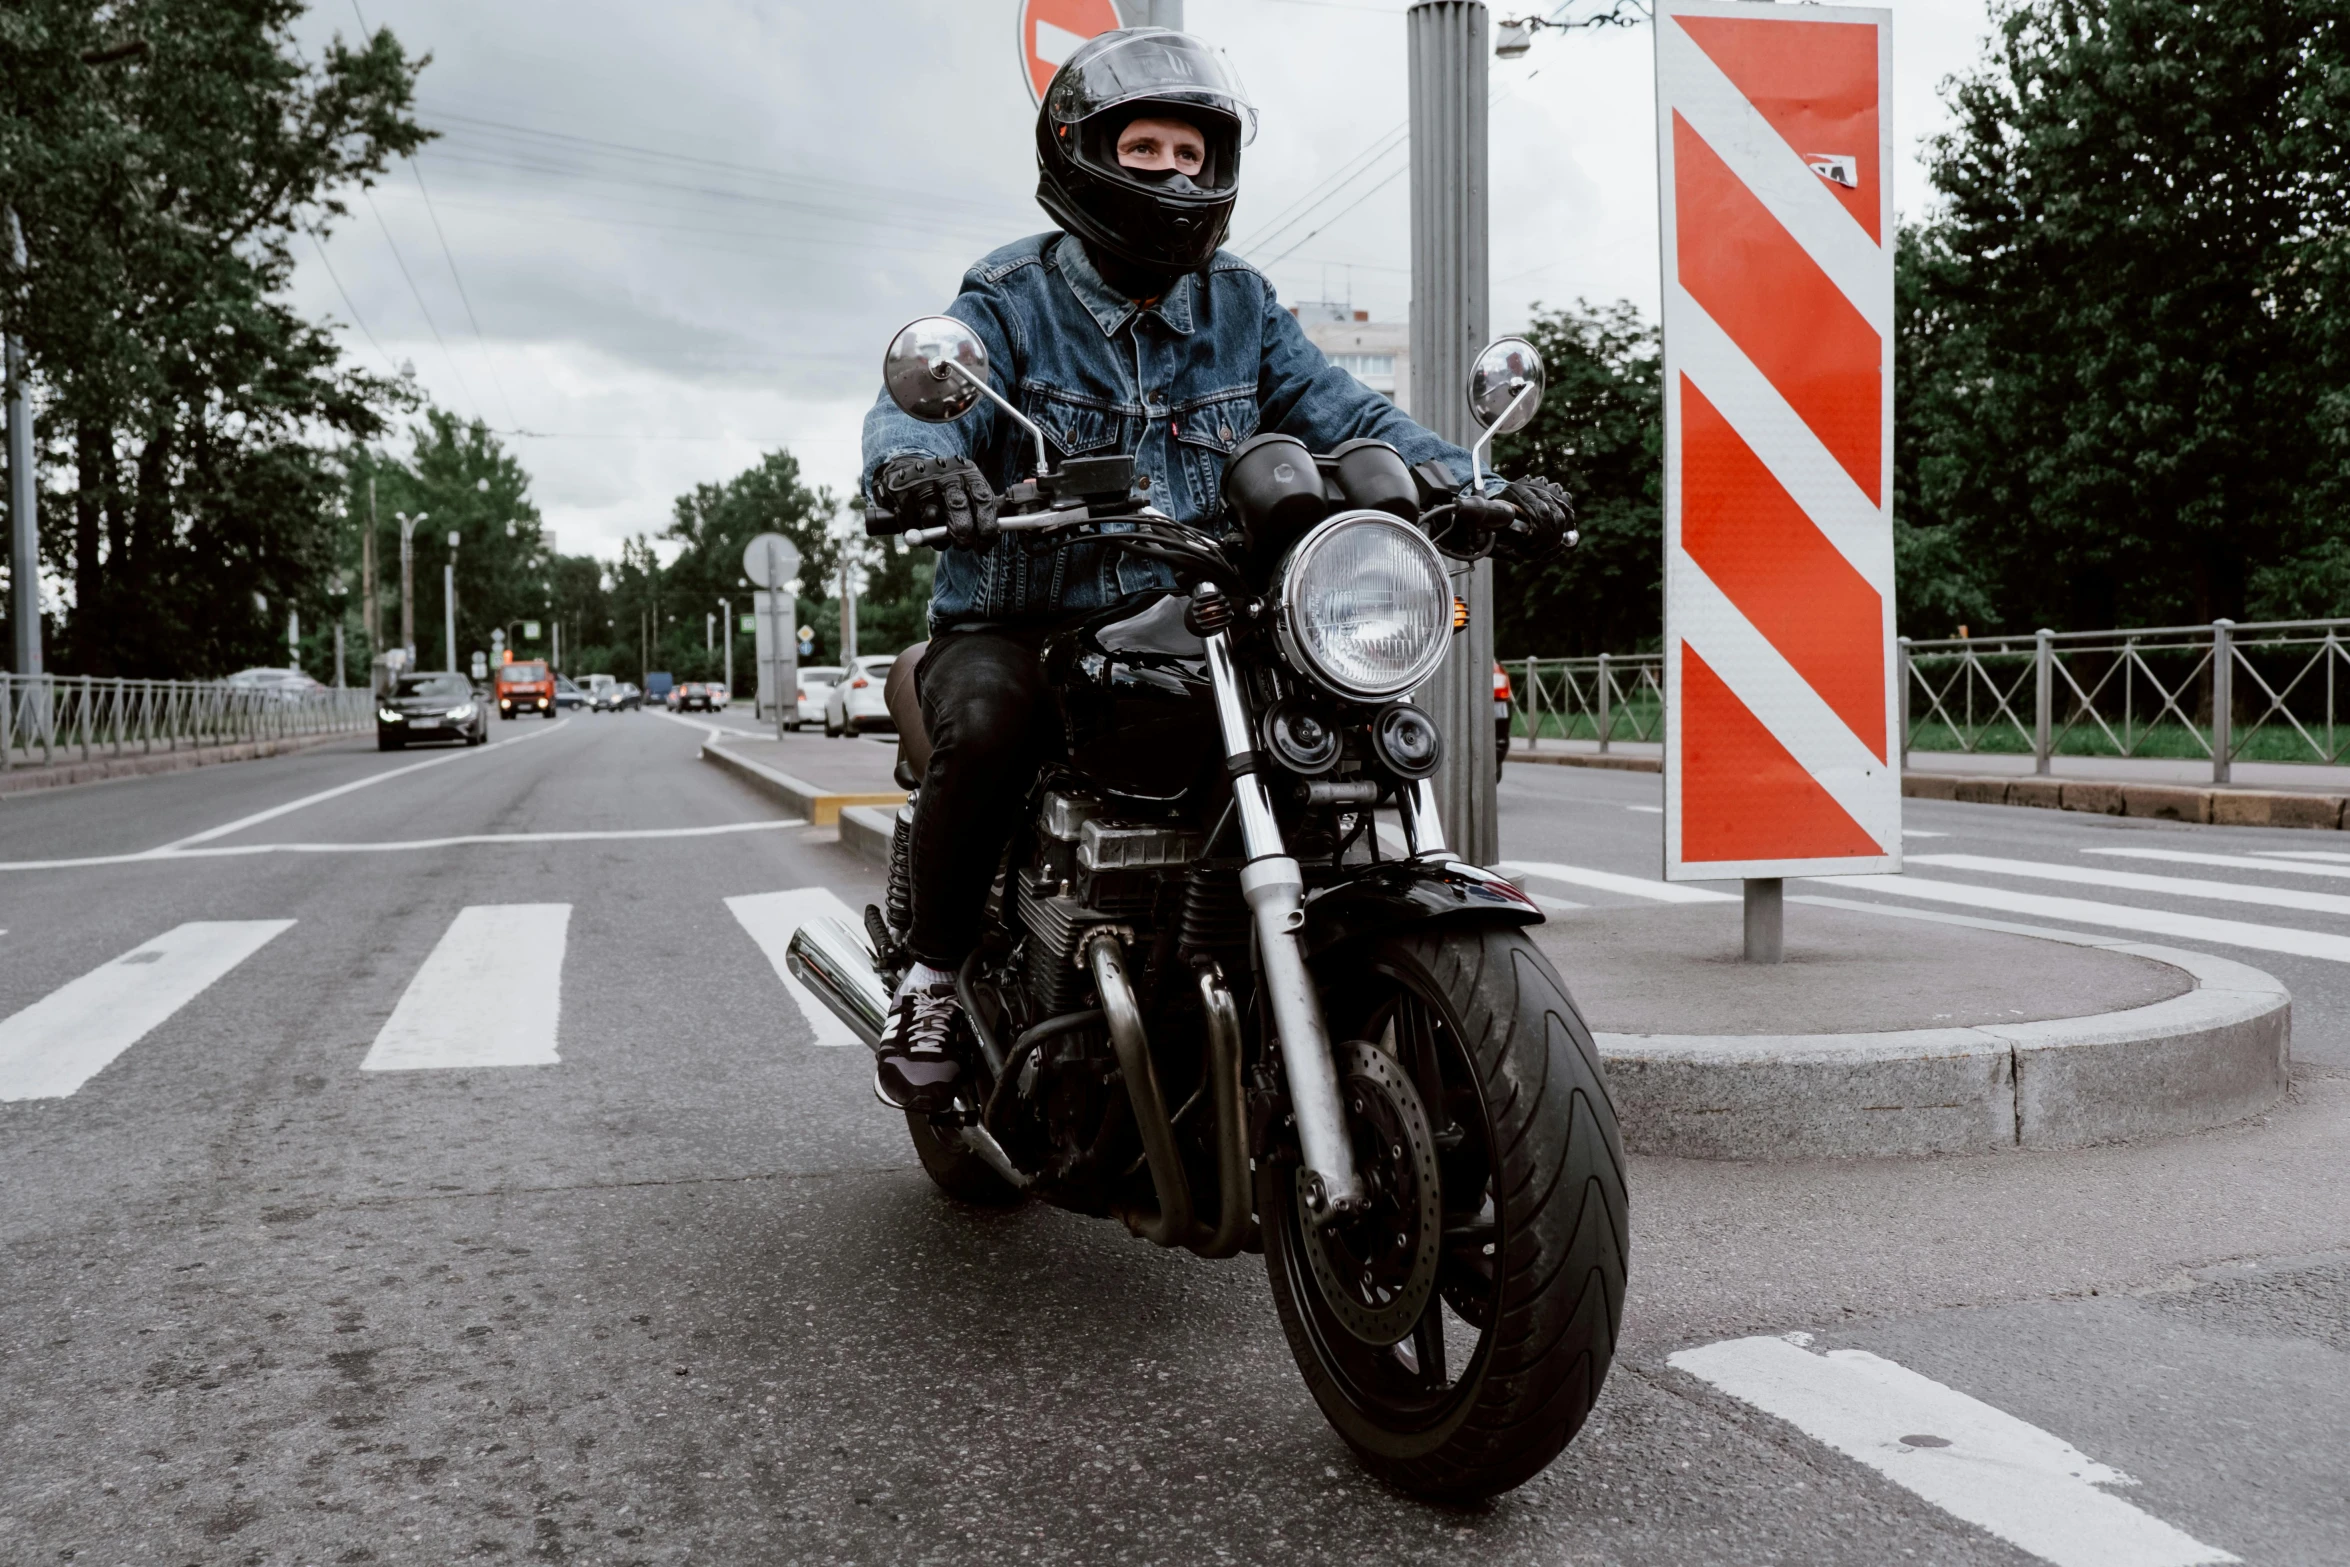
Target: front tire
<point x="1499" y="1370"/>
<point x="956" y="1170"/>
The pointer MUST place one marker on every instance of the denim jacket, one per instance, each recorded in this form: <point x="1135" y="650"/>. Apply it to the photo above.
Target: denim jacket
<point x="1177" y="384"/>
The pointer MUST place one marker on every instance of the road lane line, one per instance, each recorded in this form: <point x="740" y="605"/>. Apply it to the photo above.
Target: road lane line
<point x="1560" y="904"/>
<point x="2244" y="862"/>
<point x="67" y="1037"/>
<point x="2036" y="1491"/>
<point x="2335" y="856"/>
<point x="2081" y="911"/>
<point x="232" y="850"/>
<point x="1609" y="881"/>
<point x="372" y="779"/>
<point x="490" y="994"/>
<point x="2295" y="898"/>
<point x="771" y="918"/>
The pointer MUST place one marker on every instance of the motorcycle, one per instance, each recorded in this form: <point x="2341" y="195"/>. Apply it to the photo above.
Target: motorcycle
<point x="1210" y="1004"/>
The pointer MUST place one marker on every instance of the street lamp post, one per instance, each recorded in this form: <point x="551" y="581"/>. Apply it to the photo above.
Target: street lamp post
<point x="408" y="583"/>
<point x="449" y="600"/>
<point x="726" y="618"/>
<point x="338" y="587"/>
<point x="24" y="528"/>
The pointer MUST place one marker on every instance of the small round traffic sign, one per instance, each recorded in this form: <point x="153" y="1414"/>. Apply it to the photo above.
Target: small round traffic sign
<point x="771" y="548"/>
<point x="1051" y="30"/>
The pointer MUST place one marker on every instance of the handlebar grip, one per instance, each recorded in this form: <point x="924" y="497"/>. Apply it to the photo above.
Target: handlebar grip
<point x="880" y="523"/>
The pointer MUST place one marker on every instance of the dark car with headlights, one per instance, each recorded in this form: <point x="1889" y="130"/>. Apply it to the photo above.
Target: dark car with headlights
<point x="431" y="707"/>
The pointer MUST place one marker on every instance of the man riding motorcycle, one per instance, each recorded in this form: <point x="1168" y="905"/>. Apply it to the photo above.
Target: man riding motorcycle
<point x="1126" y="332"/>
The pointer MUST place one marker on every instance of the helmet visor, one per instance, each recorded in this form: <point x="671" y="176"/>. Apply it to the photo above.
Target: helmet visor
<point x="1153" y="64"/>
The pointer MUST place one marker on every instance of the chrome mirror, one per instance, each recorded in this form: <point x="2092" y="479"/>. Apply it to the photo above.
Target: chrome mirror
<point x="936" y="371"/>
<point x="1505" y="388"/>
<point x="1505" y="385"/>
<point x="922" y="365"/>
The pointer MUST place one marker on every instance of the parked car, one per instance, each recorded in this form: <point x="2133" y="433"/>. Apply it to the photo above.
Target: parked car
<point x="693" y="697"/>
<point x="719" y="696"/>
<point x="279" y="685"/>
<point x="1501" y="715"/>
<point x="431" y="707"/>
<point x="525" y="686"/>
<point x="855" y="706"/>
<point x="816" y="683"/>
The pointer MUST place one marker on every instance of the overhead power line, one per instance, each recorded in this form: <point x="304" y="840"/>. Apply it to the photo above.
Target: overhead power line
<point x="402" y="261"/>
<point x="489" y="362"/>
<point x="319" y="245"/>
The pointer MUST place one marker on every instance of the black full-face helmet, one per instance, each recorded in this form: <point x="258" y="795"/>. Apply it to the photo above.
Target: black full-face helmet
<point x="1155" y="220"/>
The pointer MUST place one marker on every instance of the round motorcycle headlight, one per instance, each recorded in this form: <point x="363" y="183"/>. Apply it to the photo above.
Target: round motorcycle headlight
<point x="1365" y="606"/>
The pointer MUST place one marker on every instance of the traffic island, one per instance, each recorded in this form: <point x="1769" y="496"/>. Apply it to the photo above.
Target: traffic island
<point x="1901" y="1032"/>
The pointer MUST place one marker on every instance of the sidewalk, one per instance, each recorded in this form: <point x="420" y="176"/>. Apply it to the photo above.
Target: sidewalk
<point x="816" y="777"/>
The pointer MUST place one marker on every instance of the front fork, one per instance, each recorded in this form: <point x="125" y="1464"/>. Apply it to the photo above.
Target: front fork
<point x="1275" y="890"/>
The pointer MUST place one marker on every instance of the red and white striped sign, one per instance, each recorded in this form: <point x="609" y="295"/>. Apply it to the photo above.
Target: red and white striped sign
<point x="1774" y="151"/>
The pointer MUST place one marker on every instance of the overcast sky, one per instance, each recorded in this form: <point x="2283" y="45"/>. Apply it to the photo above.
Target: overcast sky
<point x="677" y="235"/>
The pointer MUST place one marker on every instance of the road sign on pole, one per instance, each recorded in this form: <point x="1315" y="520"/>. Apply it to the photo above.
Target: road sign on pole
<point x="771" y="561"/>
<point x="1775" y="143"/>
<point x="1051" y="30"/>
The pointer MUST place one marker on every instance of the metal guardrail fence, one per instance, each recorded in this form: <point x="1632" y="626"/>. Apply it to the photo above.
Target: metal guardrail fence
<point x="2261" y="691"/>
<point x="1615" y="696"/>
<point x="45" y="718"/>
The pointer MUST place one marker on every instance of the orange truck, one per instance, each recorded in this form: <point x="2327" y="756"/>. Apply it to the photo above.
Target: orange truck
<point x="525" y="686"/>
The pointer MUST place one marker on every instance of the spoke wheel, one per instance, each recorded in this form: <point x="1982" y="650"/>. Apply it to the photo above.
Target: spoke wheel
<point x="1457" y="1363"/>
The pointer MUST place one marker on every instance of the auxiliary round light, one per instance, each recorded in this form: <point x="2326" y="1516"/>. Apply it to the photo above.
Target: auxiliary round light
<point x="1407" y="741"/>
<point x="1365" y="607"/>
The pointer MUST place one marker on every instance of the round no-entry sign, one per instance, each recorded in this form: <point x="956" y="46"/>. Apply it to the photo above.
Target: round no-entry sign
<point x="1051" y="30"/>
<point x="771" y="560"/>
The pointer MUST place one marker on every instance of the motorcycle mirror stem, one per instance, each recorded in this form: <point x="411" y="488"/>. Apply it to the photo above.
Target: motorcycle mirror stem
<point x="1044" y="463"/>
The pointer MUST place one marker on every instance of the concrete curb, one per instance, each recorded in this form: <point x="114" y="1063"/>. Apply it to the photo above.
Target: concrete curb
<point x="1620" y="764"/>
<point x="820" y="807"/>
<point x="2159" y="802"/>
<point x="865" y="831"/>
<point x="2216" y="1054"/>
<point x="64" y="775"/>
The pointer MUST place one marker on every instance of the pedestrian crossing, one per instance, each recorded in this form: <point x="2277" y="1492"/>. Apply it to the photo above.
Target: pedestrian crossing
<point x="2174" y="905"/>
<point x="488" y="995"/>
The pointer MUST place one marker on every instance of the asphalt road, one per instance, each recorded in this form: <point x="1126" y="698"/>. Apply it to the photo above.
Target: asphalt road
<point x="681" y="1293"/>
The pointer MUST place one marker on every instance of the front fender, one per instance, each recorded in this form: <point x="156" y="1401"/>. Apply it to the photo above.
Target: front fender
<point x="1392" y="895"/>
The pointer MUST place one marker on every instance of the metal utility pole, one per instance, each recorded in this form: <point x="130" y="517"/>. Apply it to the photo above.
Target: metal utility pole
<point x="408" y="583"/>
<point x="726" y="617"/>
<point x="449" y="600"/>
<point x="367" y="602"/>
<point x="848" y="618"/>
<point x="1450" y="303"/>
<point x="24" y="549"/>
<point x="1151" y="13"/>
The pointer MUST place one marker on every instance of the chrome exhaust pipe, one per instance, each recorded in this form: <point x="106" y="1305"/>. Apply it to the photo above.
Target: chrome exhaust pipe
<point x="1233" y="1189"/>
<point x="840" y="970"/>
<point x="1171" y="1224"/>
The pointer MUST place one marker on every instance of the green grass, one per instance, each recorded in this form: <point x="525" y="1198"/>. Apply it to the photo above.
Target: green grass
<point x="1627" y="721"/>
<point x="2273" y="742"/>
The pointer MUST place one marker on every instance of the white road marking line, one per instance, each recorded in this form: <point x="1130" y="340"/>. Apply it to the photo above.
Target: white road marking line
<point x="67" y="1037"/>
<point x="227" y="851"/>
<point x="1920" y="832"/>
<point x="490" y="994"/>
<point x="2036" y="1491"/>
<point x="771" y="918"/>
<point x="2245" y="862"/>
<point x="2081" y="911"/>
<point x="2295" y="898"/>
<point x="1609" y="881"/>
<point x="1647" y="810"/>
<point x="1560" y="904"/>
<point x="2334" y="856"/>
<point x="372" y="779"/>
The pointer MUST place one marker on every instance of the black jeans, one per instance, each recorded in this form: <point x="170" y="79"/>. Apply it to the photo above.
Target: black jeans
<point x="992" y="724"/>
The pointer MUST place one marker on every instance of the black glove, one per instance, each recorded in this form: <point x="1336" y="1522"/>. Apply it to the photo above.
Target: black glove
<point x="1545" y="523"/>
<point x="940" y="492"/>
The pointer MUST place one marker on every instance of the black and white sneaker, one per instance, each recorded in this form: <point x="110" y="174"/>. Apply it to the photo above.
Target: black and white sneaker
<point x="918" y="1070"/>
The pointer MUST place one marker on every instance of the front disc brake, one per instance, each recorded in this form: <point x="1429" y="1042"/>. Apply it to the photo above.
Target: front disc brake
<point x="1377" y="1267"/>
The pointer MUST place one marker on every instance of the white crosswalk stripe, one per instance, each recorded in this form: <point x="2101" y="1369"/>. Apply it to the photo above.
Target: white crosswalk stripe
<point x="2298" y="898"/>
<point x="2032" y="1489"/>
<point x="2283" y="939"/>
<point x="490" y="994"/>
<point x="1609" y="881"/>
<point x="2241" y="862"/>
<point x="61" y="1041"/>
<point x="771" y="918"/>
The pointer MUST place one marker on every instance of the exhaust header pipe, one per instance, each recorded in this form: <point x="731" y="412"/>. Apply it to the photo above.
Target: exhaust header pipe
<point x="840" y="970"/>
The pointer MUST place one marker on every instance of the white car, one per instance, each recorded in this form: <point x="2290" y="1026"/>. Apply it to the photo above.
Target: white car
<point x="855" y="705"/>
<point x="816" y="683"/>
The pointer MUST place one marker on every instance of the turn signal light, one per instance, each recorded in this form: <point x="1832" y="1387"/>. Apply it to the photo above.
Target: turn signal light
<point x="1460" y="614"/>
<point x="859" y="683"/>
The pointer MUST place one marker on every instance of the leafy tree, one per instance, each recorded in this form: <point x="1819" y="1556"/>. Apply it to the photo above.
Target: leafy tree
<point x="160" y="194"/>
<point x="1600" y="432"/>
<point x="2123" y="335"/>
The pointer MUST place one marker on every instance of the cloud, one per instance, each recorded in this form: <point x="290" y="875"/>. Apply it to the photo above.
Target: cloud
<point x="686" y="230"/>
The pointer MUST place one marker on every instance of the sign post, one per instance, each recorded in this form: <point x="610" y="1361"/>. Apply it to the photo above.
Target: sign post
<point x="771" y="561"/>
<point x="1774" y="143"/>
